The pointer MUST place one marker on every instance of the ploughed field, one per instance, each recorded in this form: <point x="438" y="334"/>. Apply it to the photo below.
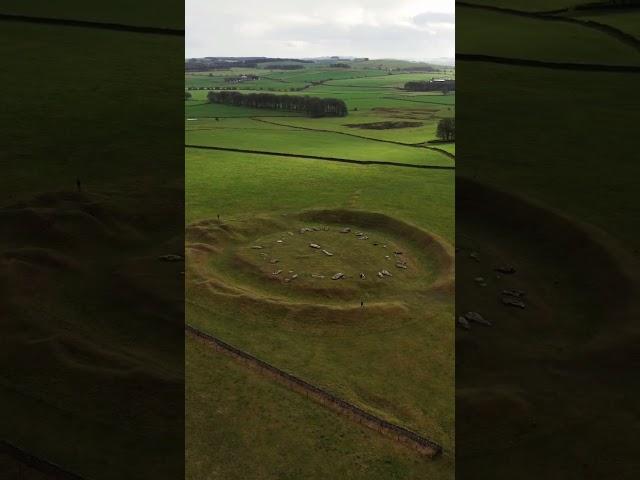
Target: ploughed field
<point x="338" y="273"/>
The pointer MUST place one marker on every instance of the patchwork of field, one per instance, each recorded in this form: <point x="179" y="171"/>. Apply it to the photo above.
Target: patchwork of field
<point x="338" y="273"/>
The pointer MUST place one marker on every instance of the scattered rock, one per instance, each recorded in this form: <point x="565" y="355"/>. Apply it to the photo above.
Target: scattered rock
<point x="329" y="254"/>
<point x="317" y="276"/>
<point x="274" y="260"/>
<point x="359" y="234"/>
<point x="513" y="293"/>
<point x="171" y="258"/>
<point x="314" y="245"/>
<point x="398" y="253"/>
<point x="257" y="247"/>
<point x="362" y="275"/>
<point x="384" y="246"/>
<point x="305" y="229"/>
<point x="279" y="241"/>
<point x="464" y="323"/>
<point x="345" y="230"/>
<point x="315" y="229"/>
<point x="338" y="276"/>
<point x="506" y="270"/>
<point x="277" y="272"/>
<point x="287" y="280"/>
<point x="479" y="280"/>
<point x="477" y="318"/>
<point x="290" y="271"/>
<point x="363" y="237"/>
<point x="513" y="302"/>
<point x="401" y="265"/>
<point x="386" y="273"/>
<point x="290" y="234"/>
<point x="293" y="277"/>
<point x="380" y="275"/>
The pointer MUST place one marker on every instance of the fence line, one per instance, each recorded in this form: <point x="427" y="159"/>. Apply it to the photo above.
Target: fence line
<point x="400" y="434"/>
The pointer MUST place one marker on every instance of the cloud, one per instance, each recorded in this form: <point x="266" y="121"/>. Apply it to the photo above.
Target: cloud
<point x="280" y="28"/>
<point x="435" y="18"/>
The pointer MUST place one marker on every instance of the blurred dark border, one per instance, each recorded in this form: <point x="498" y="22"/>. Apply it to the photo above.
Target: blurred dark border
<point x="547" y="224"/>
<point x="92" y="240"/>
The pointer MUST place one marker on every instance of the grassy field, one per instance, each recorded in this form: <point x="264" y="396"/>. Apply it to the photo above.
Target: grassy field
<point x="279" y="431"/>
<point x="301" y="320"/>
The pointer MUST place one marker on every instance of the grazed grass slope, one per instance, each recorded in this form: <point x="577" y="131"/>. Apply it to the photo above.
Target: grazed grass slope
<point x="282" y="434"/>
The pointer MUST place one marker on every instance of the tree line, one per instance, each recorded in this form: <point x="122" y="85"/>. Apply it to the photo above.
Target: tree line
<point x="312" y="106"/>
<point x="284" y="67"/>
<point x="431" y="86"/>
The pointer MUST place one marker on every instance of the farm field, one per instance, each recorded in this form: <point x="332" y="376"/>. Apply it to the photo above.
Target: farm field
<point x="341" y="449"/>
<point x="539" y="381"/>
<point x="254" y="281"/>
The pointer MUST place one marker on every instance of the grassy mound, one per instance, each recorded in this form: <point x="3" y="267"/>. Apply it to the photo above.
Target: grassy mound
<point x="328" y="261"/>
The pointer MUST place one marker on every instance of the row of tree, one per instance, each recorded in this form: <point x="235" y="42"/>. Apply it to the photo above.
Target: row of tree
<point x="284" y="67"/>
<point x="431" y="86"/>
<point x="312" y="106"/>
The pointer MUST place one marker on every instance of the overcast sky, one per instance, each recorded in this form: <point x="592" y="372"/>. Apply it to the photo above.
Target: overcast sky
<point x="408" y="29"/>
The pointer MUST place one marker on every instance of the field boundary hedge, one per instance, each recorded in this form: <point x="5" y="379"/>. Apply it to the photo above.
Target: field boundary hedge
<point x="36" y="463"/>
<point x="400" y="434"/>
<point x="314" y="157"/>
<point x="413" y="145"/>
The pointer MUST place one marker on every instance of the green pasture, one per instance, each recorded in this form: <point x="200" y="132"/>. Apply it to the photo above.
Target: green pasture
<point x="280" y="433"/>
<point x="396" y="80"/>
<point x="222" y="183"/>
<point x="354" y="361"/>
<point x="249" y="134"/>
<point x="352" y="358"/>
